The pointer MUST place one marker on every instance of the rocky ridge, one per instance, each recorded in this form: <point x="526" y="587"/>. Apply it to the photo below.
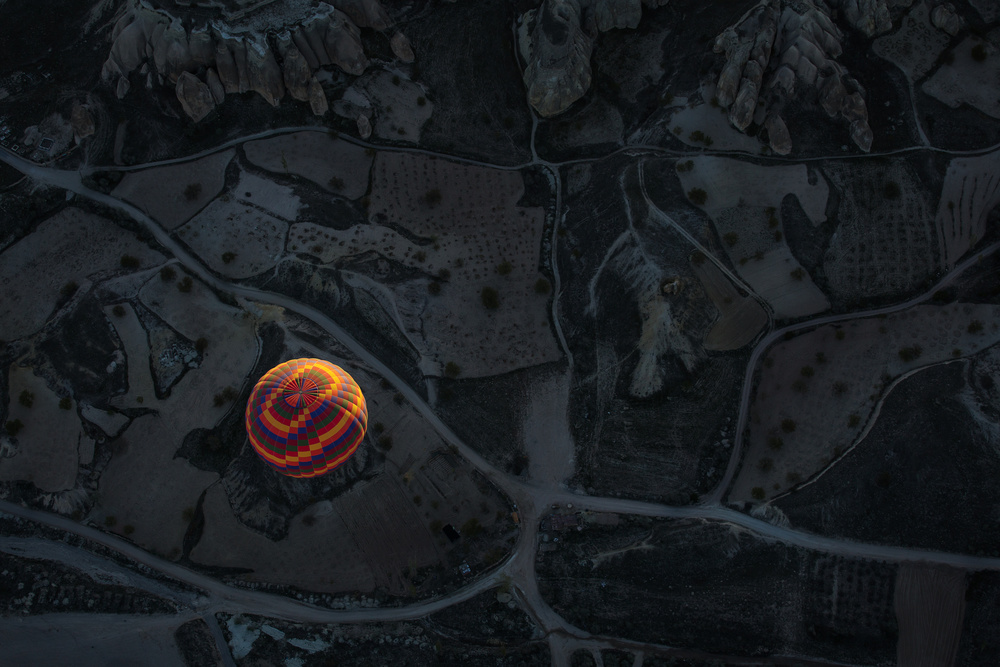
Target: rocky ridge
<point x="557" y="41"/>
<point x="206" y="62"/>
<point x="782" y="49"/>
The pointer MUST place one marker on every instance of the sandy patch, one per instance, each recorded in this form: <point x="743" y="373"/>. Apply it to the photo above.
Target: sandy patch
<point x="263" y="193"/>
<point x="930" y="608"/>
<point x="711" y="121"/>
<point x="971" y="191"/>
<point x="400" y="114"/>
<point x="162" y="192"/>
<point x="255" y="238"/>
<point x="547" y="439"/>
<point x="967" y="81"/>
<point x="916" y="45"/>
<point x="833" y="401"/>
<point x="47" y="446"/>
<point x="136" y="343"/>
<point x="70" y="246"/>
<point x="741" y="318"/>
<point x="336" y="165"/>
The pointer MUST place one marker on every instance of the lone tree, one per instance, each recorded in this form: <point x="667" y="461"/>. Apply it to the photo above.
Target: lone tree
<point x="490" y="297"/>
<point x="697" y="196"/>
<point x="452" y="370"/>
<point x="192" y="191"/>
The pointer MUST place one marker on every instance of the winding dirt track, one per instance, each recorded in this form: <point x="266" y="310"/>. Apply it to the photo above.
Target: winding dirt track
<point x="532" y="498"/>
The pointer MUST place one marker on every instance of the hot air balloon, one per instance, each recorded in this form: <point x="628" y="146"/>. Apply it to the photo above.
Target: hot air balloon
<point x="305" y="417"/>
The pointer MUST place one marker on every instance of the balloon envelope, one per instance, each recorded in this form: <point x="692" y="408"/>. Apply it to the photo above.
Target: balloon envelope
<point x="305" y="417"/>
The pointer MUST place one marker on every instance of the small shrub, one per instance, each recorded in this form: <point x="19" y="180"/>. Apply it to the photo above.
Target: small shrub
<point x="444" y="274"/>
<point x="201" y="344"/>
<point x="697" y="196"/>
<point x="434" y="287"/>
<point x="187" y="514"/>
<point x="417" y="500"/>
<point x="698" y="258"/>
<point x="385" y="441"/>
<point x="378" y="427"/>
<point x="65" y="403"/>
<point x="775" y="442"/>
<point x="26" y="398"/>
<point x="490" y="298"/>
<point x="128" y="529"/>
<point x="421" y="101"/>
<point x="69" y="289"/>
<point x="731" y="238"/>
<point x="452" y="370"/>
<point x="395" y="79"/>
<point x="504" y="268"/>
<point x="118" y="310"/>
<point x="542" y="286"/>
<point x="793" y="477"/>
<point x="800" y="386"/>
<point x="975" y="327"/>
<point x="228" y="257"/>
<point x="185" y="284"/>
<point x="13" y="427"/>
<point x="129" y="262"/>
<point x="192" y="191"/>
<point x="432" y="197"/>
<point x="167" y="274"/>
<point x="110" y="520"/>
<point x="757" y="493"/>
<point x="798" y="274"/>
<point x="853" y="420"/>
<point x="471" y="528"/>
<point x="979" y="53"/>
<point x="883" y="479"/>
<point x="911" y="353"/>
<point x="840" y="334"/>
<point x="788" y="425"/>
<point x="839" y="388"/>
<point x="891" y="190"/>
<point x="766" y="464"/>
<point x="420" y="255"/>
<point x="398" y="398"/>
<point x="807" y="371"/>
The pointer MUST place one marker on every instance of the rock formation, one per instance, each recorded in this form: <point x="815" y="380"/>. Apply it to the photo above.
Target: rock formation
<point x="225" y="58"/>
<point x="781" y="49"/>
<point x="194" y="96"/>
<point x="561" y="41"/>
<point x="82" y="122"/>
<point x="944" y="17"/>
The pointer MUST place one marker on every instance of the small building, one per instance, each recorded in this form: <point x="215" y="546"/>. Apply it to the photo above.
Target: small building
<point x="465" y="569"/>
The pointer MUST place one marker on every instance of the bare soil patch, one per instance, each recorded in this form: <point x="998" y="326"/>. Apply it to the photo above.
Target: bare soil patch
<point x="172" y="194"/>
<point x="335" y="165"/>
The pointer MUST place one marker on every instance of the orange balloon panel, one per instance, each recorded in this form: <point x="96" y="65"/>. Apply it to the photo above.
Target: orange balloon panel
<point x="305" y="417"/>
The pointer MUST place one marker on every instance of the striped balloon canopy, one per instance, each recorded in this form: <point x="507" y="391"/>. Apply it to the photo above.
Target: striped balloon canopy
<point x="305" y="417"/>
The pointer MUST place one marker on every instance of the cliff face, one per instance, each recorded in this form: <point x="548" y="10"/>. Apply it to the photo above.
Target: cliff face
<point x="781" y="50"/>
<point x="228" y="59"/>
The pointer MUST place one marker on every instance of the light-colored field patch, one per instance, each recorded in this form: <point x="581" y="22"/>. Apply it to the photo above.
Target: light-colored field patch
<point x="47" y="445"/>
<point x="712" y="121"/>
<point x="915" y="46"/>
<point x="547" y="439"/>
<point x="68" y="247"/>
<point x="255" y="238"/>
<point x="967" y="81"/>
<point x="930" y="608"/>
<point x="279" y="200"/>
<point x="831" y="398"/>
<point x="744" y="202"/>
<point x="971" y="191"/>
<point x="144" y="485"/>
<point x="400" y="114"/>
<point x="884" y="244"/>
<point x="470" y="226"/>
<point x="335" y="165"/>
<point x="161" y="191"/>
<point x="741" y="318"/>
<point x="730" y="183"/>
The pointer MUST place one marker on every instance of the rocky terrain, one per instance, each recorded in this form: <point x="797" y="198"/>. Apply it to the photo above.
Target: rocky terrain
<point x="271" y="55"/>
